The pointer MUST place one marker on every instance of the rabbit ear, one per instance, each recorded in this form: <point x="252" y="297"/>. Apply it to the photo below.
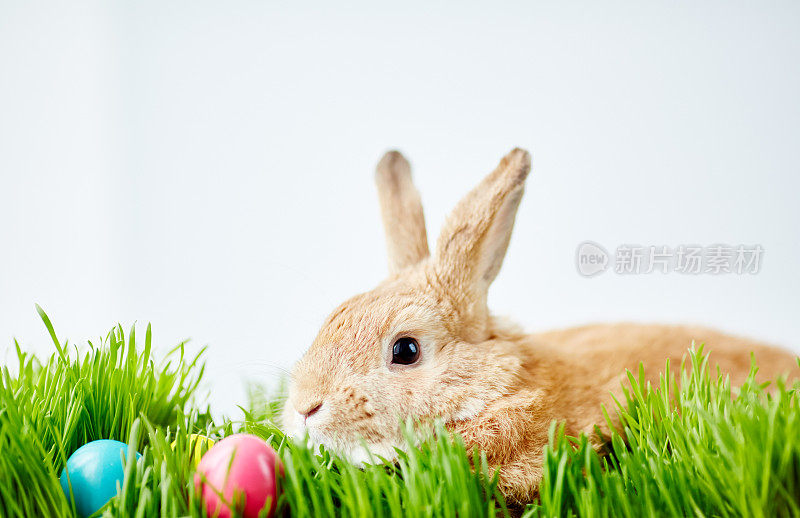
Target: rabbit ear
<point x="401" y="209"/>
<point x="475" y="236"/>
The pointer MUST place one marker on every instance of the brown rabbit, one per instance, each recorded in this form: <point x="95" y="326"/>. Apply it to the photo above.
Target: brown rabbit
<point x="423" y="344"/>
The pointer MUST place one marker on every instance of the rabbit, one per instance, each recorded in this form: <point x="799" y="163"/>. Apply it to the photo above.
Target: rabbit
<point x="424" y="345"/>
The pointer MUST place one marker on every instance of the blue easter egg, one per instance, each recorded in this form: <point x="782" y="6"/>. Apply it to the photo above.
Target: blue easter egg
<point x="94" y="470"/>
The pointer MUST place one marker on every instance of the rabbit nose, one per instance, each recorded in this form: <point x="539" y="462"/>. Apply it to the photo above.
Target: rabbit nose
<point x="310" y="409"/>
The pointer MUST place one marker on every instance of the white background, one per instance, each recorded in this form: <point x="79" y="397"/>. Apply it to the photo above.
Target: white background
<point x="207" y="167"/>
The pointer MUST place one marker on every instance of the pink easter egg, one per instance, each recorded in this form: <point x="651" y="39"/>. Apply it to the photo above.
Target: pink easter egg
<point x="251" y="474"/>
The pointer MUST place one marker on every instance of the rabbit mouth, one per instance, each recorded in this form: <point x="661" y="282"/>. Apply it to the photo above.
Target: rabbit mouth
<point x="362" y="453"/>
<point x="356" y="452"/>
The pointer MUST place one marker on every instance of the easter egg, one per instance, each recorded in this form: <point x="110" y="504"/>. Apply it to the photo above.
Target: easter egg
<point x="198" y="445"/>
<point x="94" y="470"/>
<point x="242" y="469"/>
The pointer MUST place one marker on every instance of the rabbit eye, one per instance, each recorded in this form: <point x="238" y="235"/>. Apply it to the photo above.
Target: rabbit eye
<point x="405" y="351"/>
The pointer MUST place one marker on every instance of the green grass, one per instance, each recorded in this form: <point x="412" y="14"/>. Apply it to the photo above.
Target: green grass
<point x="693" y="448"/>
